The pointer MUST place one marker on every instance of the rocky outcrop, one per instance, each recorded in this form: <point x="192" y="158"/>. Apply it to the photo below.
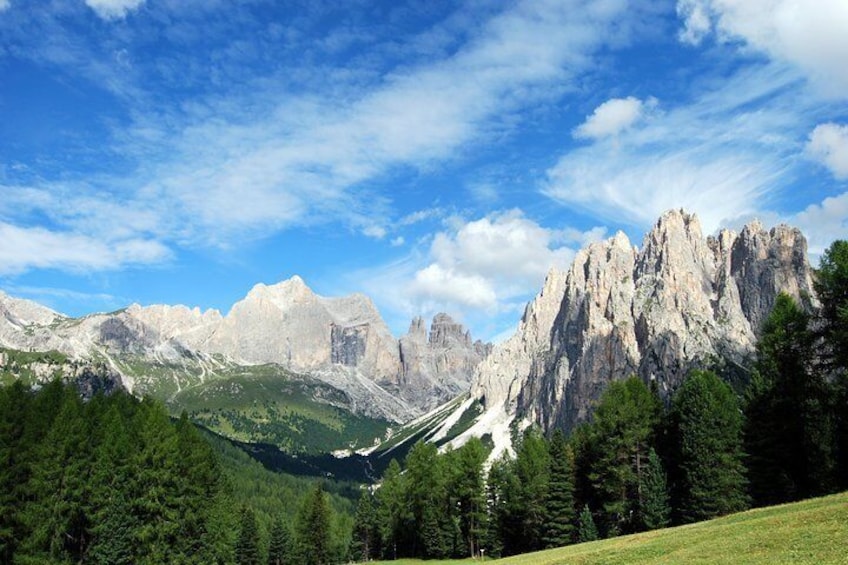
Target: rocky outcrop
<point x="681" y="301"/>
<point x="342" y="341"/>
<point x="437" y="367"/>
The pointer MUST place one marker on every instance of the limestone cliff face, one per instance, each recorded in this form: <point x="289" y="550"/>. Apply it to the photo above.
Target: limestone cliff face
<point x="437" y="367"/>
<point x="677" y="303"/>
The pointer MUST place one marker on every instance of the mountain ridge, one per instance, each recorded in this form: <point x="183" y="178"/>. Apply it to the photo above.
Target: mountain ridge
<point x="342" y="341"/>
<point x="679" y="302"/>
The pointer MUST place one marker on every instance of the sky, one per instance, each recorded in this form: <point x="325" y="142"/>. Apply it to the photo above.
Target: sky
<point x="434" y="155"/>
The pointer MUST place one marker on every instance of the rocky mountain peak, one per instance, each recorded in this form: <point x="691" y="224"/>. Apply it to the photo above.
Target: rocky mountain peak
<point x="680" y="302"/>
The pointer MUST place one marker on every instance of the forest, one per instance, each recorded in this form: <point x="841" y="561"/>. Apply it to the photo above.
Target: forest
<point x="116" y="480"/>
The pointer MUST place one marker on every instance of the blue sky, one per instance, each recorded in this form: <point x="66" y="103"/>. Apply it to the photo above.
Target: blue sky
<point x="437" y="156"/>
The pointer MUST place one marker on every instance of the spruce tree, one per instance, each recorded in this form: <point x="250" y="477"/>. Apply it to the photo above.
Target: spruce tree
<point x="392" y="510"/>
<point x="247" y="543"/>
<point x="831" y="284"/>
<point x="532" y="475"/>
<point x="366" y="537"/>
<point x="468" y="487"/>
<point x="586" y="529"/>
<point x="789" y="429"/>
<point x="559" y="502"/>
<point x="622" y="431"/>
<point x="281" y="546"/>
<point x="655" y="510"/>
<point x="708" y="431"/>
<point x="314" y="522"/>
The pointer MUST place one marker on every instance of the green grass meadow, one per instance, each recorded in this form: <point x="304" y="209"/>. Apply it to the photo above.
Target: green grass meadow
<point x="813" y="532"/>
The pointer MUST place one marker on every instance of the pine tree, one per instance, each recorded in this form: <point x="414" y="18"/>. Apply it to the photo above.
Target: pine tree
<point x="468" y="488"/>
<point x="622" y="431"/>
<point x="280" y="549"/>
<point x="655" y="511"/>
<point x="559" y="503"/>
<point x="59" y="487"/>
<point x="247" y="544"/>
<point x="708" y="430"/>
<point x="14" y="408"/>
<point x="831" y="284"/>
<point x="586" y="529"/>
<point x="532" y="473"/>
<point x="314" y="521"/>
<point x="789" y="430"/>
<point x="392" y="510"/>
<point x="365" y="529"/>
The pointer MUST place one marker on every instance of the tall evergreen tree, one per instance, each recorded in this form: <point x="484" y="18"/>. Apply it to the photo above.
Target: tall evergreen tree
<point x="393" y="511"/>
<point x="532" y="464"/>
<point x="586" y="528"/>
<point x="314" y="522"/>
<point x="559" y="502"/>
<point x="366" y="532"/>
<point x="247" y="543"/>
<point x="281" y="546"/>
<point x="59" y="485"/>
<point x="622" y="431"/>
<point x="831" y="284"/>
<point x="655" y="510"/>
<point x="708" y="430"/>
<point x="427" y="496"/>
<point x="504" y="507"/>
<point x="468" y="486"/>
<point x="14" y="471"/>
<point x="789" y="428"/>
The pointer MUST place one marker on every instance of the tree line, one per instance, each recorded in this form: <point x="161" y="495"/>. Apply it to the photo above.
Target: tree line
<point x="115" y="480"/>
<point x="640" y="464"/>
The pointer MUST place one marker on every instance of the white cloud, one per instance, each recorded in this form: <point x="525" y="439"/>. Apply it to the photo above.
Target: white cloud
<point x="486" y="263"/>
<point x="481" y="271"/>
<point x="719" y="156"/>
<point x="231" y="175"/>
<point x="113" y="9"/>
<point x="440" y="285"/>
<point x="4" y="5"/>
<point x="823" y="223"/>
<point x="377" y="232"/>
<point x="23" y="249"/>
<point x="811" y="35"/>
<point x="612" y="117"/>
<point x="828" y="144"/>
<point x="398" y="241"/>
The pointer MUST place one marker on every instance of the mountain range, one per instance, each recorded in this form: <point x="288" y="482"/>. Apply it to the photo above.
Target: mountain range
<point x="678" y="302"/>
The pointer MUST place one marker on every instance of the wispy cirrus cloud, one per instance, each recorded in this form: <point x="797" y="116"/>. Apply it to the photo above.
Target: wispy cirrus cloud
<point x="230" y="165"/>
<point x="723" y="155"/>
<point x="39" y="248"/>
<point x="810" y="35"/>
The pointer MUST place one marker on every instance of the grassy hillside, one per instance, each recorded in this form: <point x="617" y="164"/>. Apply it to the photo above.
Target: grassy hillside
<point x="268" y="405"/>
<point x="812" y="532"/>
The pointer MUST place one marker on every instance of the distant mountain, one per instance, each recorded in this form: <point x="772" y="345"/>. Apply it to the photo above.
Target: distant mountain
<point x="681" y="301"/>
<point x="332" y="344"/>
